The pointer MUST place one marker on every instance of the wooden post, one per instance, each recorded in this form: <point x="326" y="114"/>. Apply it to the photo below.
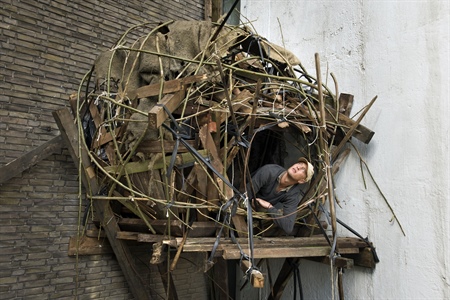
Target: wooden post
<point x="324" y="147"/>
<point x="69" y="133"/>
<point x="167" y="280"/>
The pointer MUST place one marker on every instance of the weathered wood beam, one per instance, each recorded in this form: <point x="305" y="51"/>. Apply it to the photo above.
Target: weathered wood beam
<point x="365" y="258"/>
<point x="360" y="132"/>
<point x="24" y="162"/>
<point x="282" y="280"/>
<point x="345" y="104"/>
<point x="277" y="247"/>
<point x="147" y="165"/>
<point x="137" y="225"/>
<point x="278" y="252"/>
<point x="69" y="133"/>
<point x="157" y="114"/>
<point x="167" y="280"/>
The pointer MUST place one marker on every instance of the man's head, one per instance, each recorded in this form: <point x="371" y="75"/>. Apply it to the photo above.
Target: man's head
<point x="302" y="171"/>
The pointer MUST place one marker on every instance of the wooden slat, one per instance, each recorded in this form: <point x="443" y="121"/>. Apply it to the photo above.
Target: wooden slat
<point x="22" y="163"/>
<point x="157" y="115"/>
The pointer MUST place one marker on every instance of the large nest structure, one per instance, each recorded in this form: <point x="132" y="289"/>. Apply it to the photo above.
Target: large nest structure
<point x="177" y="116"/>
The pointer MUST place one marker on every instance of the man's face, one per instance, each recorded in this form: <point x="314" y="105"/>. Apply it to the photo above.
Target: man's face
<point x="298" y="172"/>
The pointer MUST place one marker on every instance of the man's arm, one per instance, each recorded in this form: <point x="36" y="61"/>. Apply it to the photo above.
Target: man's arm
<point x="286" y="219"/>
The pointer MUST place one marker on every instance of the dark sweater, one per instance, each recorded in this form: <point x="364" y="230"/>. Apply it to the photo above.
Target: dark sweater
<point x="265" y="183"/>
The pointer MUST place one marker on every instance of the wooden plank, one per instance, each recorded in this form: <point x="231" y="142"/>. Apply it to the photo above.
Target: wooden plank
<point x="146" y="238"/>
<point x="169" y="87"/>
<point x="275" y="248"/>
<point x="127" y="235"/>
<point x="345" y="104"/>
<point x="137" y="226"/>
<point x="361" y="132"/>
<point x="202" y="244"/>
<point x="103" y="210"/>
<point x="202" y="185"/>
<point x="29" y="159"/>
<point x="160" y="226"/>
<point x="353" y="128"/>
<point x="364" y="258"/>
<point x="278" y="252"/>
<point x="284" y="275"/>
<point x="157" y="115"/>
<point x="147" y="165"/>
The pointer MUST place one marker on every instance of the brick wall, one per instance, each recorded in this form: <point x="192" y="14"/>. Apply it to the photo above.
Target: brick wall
<point x="46" y="47"/>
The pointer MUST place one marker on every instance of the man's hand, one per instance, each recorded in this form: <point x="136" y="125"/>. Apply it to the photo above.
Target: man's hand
<point x="263" y="203"/>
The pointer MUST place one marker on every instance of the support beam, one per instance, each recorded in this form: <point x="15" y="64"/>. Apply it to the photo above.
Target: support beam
<point x="22" y="163"/>
<point x="69" y="133"/>
<point x="167" y="280"/>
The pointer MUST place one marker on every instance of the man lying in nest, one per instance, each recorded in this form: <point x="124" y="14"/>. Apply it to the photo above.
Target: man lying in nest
<point x="278" y="191"/>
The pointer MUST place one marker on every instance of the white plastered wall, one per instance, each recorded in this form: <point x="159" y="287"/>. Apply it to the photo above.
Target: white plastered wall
<point x="399" y="51"/>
